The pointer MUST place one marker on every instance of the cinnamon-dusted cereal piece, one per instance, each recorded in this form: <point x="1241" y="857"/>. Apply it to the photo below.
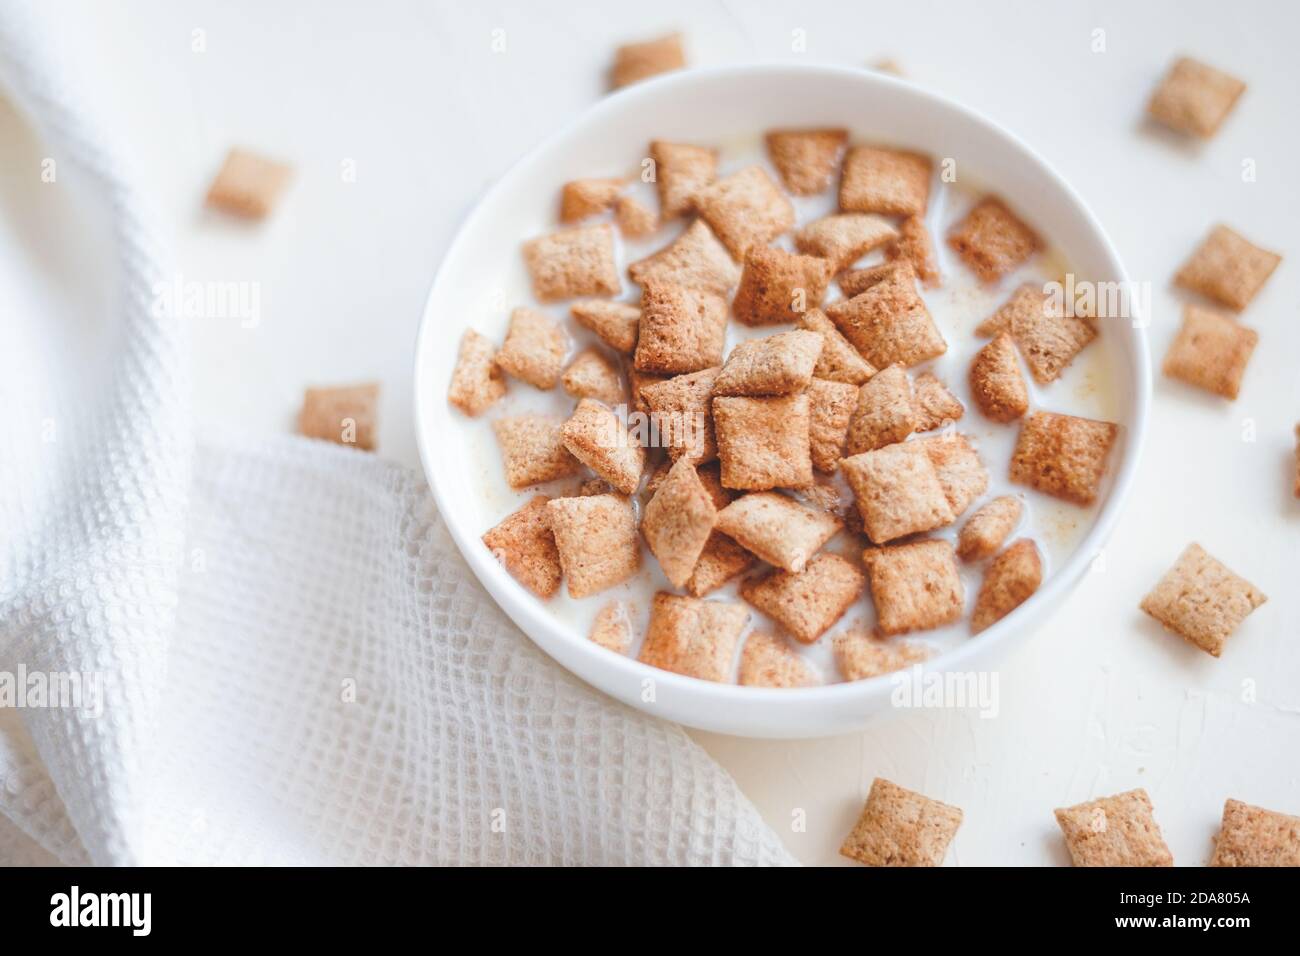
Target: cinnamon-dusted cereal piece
<point x="763" y="442"/>
<point x="745" y="209"/>
<point x="345" y="415"/>
<point x="806" y="158"/>
<point x="985" y="530"/>
<point x="839" y="361"/>
<point x="248" y="184"/>
<point x="767" y="660"/>
<point x="897" y="491"/>
<point x="681" y="411"/>
<point x="900" y="827"/>
<point x="637" y="382"/>
<point x="1063" y="455"/>
<point x="709" y="475"/>
<point x="1114" y="831"/>
<point x="915" y="245"/>
<point x="888" y="322"/>
<point x="581" y="198"/>
<point x="534" y="348"/>
<point x="890" y="181"/>
<point x="532" y="450"/>
<point x="595" y="436"/>
<point x="1228" y="268"/>
<point x="639" y="61"/>
<point x="612" y="628"/>
<point x="523" y="543"/>
<point x="597" y="540"/>
<point x="615" y="322"/>
<point x="935" y="405"/>
<point x="845" y="238"/>
<point x="1194" y="97"/>
<point x="694" y="260"/>
<point x="992" y="240"/>
<point x="1011" y="578"/>
<point x="1210" y="351"/>
<point x="635" y="219"/>
<point x="778" y="286"/>
<point x="831" y="405"/>
<point x="594" y="486"/>
<point x="962" y="475"/>
<point x="860" y="655"/>
<point x="1048" y="338"/>
<point x="915" y="586"/>
<point x="996" y="383"/>
<point x="476" y="382"/>
<point x="1253" y="836"/>
<point x="678" y="521"/>
<point x="885" y="412"/>
<point x="780" y="364"/>
<point x="720" y="561"/>
<point x="808" y="603"/>
<point x="779" y="530"/>
<point x="1201" y="600"/>
<point x="681" y="171"/>
<point x="682" y="329"/>
<point x="573" y="262"/>
<point x="593" y="375"/>
<point x="693" y="637"/>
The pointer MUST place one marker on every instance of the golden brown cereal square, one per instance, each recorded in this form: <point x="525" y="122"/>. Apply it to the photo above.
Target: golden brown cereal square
<point x="1211" y="352"/>
<point x="1253" y="836"/>
<point x="635" y="219"/>
<point x="634" y="62"/>
<point x="1202" y="601"/>
<point x="720" y="561"/>
<point x="693" y="637"/>
<point x="612" y="628"/>
<point x="884" y="412"/>
<point x="532" y="450"/>
<point x="915" y="586"/>
<point x="860" y="655"/>
<point x="1063" y="455"/>
<point x="1048" y="338"/>
<point x="573" y="262"/>
<point x="763" y="442"/>
<point x="778" y="529"/>
<point x="890" y="181"/>
<point x="1114" y="831"/>
<point x="839" y="361"/>
<point x="778" y="286"/>
<point x="594" y="375"/>
<point x="961" y="473"/>
<point x="768" y="660"/>
<point x="1228" y="268"/>
<point x="831" y="405"/>
<point x="806" y="159"/>
<point x="534" y="348"/>
<point x="595" y="436"/>
<point x="581" y="198"/>
<point x="523" y="543"/>
<point x="637" y="383"/>
<point x="682" y="329"/>
<point x="248" y="184"/>
<point x="681" y="414"/>
<point x="597" y="539"/>
<point x="888" y="321"/>
<point x="808" y="603"/>
<point x="476" y="382"/>
<point x="694" y="260"/>
<point x="745" y="209"/>
<point x="935" y="405"/>
<point x="678" y="521"/>
<point x="900" y="827"/>
<point x="845" y="238"/>
<point x="1009" y="581"/>
<point x="1194" y="97"/>
<point x="615" y="322"/>
<point x="915" y="245"/>
<point x="897" y="491"/>
<point x="985" y="530"/>
<point x="992" y="239"/>
<point x="996" y="385"/>
<point x="681" y="171"/>
<point x="345" y="415"/>
<point x="780" y="364"/>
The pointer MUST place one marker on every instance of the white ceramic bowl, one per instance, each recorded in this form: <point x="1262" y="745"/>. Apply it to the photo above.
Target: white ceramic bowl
<point x="715" y="106"/>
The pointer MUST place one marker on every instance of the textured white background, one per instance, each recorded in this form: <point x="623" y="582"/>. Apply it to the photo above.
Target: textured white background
<point x="413" y="95"/>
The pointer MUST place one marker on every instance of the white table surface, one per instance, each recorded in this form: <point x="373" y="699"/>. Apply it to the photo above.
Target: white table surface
<point x="413" y="96"/>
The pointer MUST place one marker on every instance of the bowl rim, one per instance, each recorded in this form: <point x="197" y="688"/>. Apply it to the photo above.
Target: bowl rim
<point x="531" y="615"/>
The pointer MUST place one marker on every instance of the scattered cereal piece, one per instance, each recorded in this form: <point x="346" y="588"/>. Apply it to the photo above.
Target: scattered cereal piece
<point x="996" y="383"/>
<point x="597" y="540"/>
<point x="915" y="586"/>
<point x="1253" y="836"/>
<point x="682" y="329"/>
<point x="780" y="364"/>
<point x="695" y="260"/>
<point x="898" y="491"/>
<point x="681" y="171"/>
<point x="779" y="530"/>
<point x="693" y="637"/>
<point x="763" y="442"/>
<point x="845" y="238"/>
<point x="596" y="437"/>
<point x="745" y="209"/>
<point x="635" y="219"/>
<point x="615" y="322"/>
<point x="1228" y="268"/>
<point x="586" y="197"/>
<point x="992" y="240"/>
<point x="593" y="375"/>
<point x="778" y="286"/>
<point x="720" y="561"/>
<point x="1194" y="98"/>
<point x="889" y="181"/>
<point x="1201" y="600"/>
<point x="985" y="530"/>
<point x="1048" y="338"/>
<point x="935" y="405"/>
<point x="1114" y="831"/>
<point x="345" y="415"/>
<point x="1063" y="455"/>
<point x="248" y="184"/>
<point x="534" y="349"/>
<point x="1012" y="577"/>
<point x="634" y="62"/>
<point x="899" y="827"/>
<point x="888" y="322"/>
<point x="612" y="628"/>
<point x="806" y="158"/>
<point x="915" y="245"/>
<point x="808" y="603"/>
<point x="573" y="262"/>
<point x="476" y="382"/>
<point x="1210" y="351"/>
<point x="839" y="360"/>
<point x="860" y="655"/>
<point x="831" y="406"/>
<point x="637" y="383"/>
<point x="885" y="412"/>
<point x="678" y="521"/>
<point x="681" y="410"/>
<point x="767" y="660"/>
<point x="961" y="473"/>
<point x="523" y="543"/>
<point x="532" y="450"/>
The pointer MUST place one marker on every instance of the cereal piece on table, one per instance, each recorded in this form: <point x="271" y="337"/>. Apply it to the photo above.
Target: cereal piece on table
<point x="593" y="375"/>
<point x="778" y="286"/>
<point x="886" y="65"/>
<point x="780" y="364"/>
<point x="831" y="405"/>
<point x="532" y="450"/>
<point x="806" y="159"/>
<point x="534" y="348"/>
<point x="1114" y="831"/>
<point x="1048" y="338"/>
<point x="899" y="827"/>
<point x="985" y="530"/>
<point x="248" y="185"/>
<point x="682" y="329"/>
<point x="637" y="383"/>
<point x="839" y="361"/>
<point x="915" y="586"/>
<point x="845" y="238"/>
<point x="808" y="603"/>
<point x="615" y="322"/>
<point x="573" y="262"/>
<point x="693" y="637"/>
<point x="1253" y="836"/>
<point x="860" y="655"/>
<point x="890" y="181"/>
<point x="897" y="491"/>
<point x="992" y="240"/>
<point x="1211" y="352"/>
<point x="681" y="413"/>
<point x="524" y="545"/>
<point x="1227" y="268"/>
<point x="1011" y="578"/>
<point x="888" y="322"/>
<point x="745" y="209"/>
<point x="996" y="385"/>
<point x="1062" y="455"/>
<point x="1194" y="97"/>
<point x="720" y="561"/>
<point x="635" y="219"/>
<point x="763" y="442"/>
<point x="345" y="415"/>
<point x="694" y="260"/>
<point x="767" y="660"/>
<point x="597" y="540"/>
<point x="612" y="628"/>
<point x="476" y="381"/>
<point x="1202" y="601"/>
<point x="681" y="171"/>
<point x="915" y="245"/>
<point x="595" y="436"/>
<point x="678" y="521"/>
<point x="935" y="405"/>
<point x="884" y="413"/>
<point x="639" y="61"/>
<point x="778" y="529"/>
<point x="962" y="475"/>
<point x="581" y="198"/>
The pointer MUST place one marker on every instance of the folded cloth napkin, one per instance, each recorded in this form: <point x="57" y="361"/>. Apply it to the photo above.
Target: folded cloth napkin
<point x="281" y="657"/>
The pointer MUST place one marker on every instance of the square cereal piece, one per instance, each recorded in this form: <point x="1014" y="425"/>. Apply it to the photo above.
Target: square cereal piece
<point x="1011" y="578"/>
<point x="615" y="322"/>
<point x="639" y="61"/>
<point x="845" y="238"/>
<point x="1062" y="455"/>
<point x="839" y="361"/>
<point x="694" y="260"/>
<point x="532" y="450"/>
<point x="693" y="637"/>
<point x="992" y="240"/>
<point x="248" y="185"/>
<point x="637" y="382"/>
<point x="768" y="660"/>
<point x="597" y="540"/>
<point x="1114" y="831"/>
<point x="476" y="381"/>
<point x="985" y="530"/>
<point x="682" y="329"/>
<point x="745" y="209"/>
<point x="898" y="491"/>
<point x="890" y="181"/>
<point x="534" y="349"/>
<point x="916" y="247"/>
<point x="1194" y="98"/>
<point x="900" y="827"/>
<point x="1210" y="351"/>
<point x="523" y="543"/>
<point x="935" y="405"/>
<point x="681" y="171"/>
<point x="778" y="286"/>
<point x="1201" y="600"/>
<point x="778" y="529"/>
<point x="806" y="159"/>
<point x="1048" y="338"/>
<point x="763" y="442"/>
<point x="861" y="656"/>
<point x="808" y="603"/>
<point x="888" y="322"/>
<point x="915" y="586"/>
<point x="996" y="385"/>
<point x="595" y="436"/>
<point x="780" y="364"/>
<point x="721" y="560"/>
<point x="1253" y="836"/>
<point x="594" y="375"/>
<point x="1228" y="268"/>
<point x="831" y="406"/>
<point x="962" y="475"/>
<point x="345" y="415"/>
<point x="635" y="219"/>
<point x="581" y="198"/>
<point x="681" y="415"/>
<point x="612" y="628"/>
<point x="678" y="521"/>
<point x="884" y="412"/>
<point x="573" y="262"/>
